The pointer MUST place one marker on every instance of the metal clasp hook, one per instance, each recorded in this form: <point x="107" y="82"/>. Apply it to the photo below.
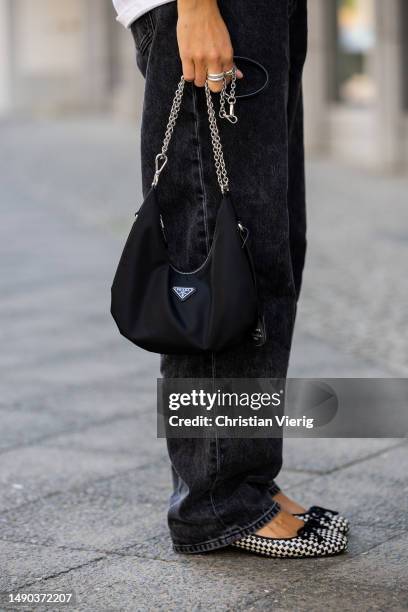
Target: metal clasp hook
<point x="159" y="162"/>
<point x="232" y="118"/>
<point x="244" y="233"/>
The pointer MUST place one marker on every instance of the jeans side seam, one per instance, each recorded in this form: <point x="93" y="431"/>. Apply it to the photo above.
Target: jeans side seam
<point x="217" y="451"/>
<point x="201" y="170"/>
<point x="291" y="7"/>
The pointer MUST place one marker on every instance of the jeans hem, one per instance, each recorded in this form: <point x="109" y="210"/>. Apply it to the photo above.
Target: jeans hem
<point x="274" y="489"/>
<point x="229" y="538"/>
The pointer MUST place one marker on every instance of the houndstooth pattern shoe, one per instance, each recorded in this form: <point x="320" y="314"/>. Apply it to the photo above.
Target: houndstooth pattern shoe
<point x="327" y="519"/>
<point x="309" y="542"/>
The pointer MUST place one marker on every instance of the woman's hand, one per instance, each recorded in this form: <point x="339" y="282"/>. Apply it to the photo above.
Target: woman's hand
<point x="204" y="42"/>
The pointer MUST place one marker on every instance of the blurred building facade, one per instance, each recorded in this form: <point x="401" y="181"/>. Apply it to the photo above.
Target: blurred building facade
<point x="356" y="83"/>
<point x="64" y="57"/>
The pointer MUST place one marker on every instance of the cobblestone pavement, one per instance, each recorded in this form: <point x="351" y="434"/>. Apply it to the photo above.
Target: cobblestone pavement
<point x="84" y="481"/>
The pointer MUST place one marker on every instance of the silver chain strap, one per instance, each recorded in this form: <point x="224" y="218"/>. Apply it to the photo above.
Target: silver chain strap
<point x="216" y="143"/>
<point x="161" y="158"/>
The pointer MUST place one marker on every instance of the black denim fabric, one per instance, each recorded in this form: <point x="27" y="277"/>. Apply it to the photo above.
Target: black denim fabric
<point x="222" y="487"/>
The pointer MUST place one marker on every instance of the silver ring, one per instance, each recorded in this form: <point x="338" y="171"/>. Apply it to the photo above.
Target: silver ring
<point x="220" y="76"/>
<point x="214" y="79"/>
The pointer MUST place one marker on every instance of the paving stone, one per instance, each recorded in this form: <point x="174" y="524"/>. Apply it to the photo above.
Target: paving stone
<point x="375" y="580"/>
<point x="45" y="428"/>
<point x="133" y="436"/>
<point x="108" y="514"/>
<point x="328" y="454"/>
<point x="19" y="427"/>
<point x="116" y="429"/>
<point x="31" y="309"/>
<point x="109" y="363"/>
<point x="383" y="566"/>
<point x="225" y="581"/>
<point x="291" y="478"/>
<point x="11" y="393"/>
<point x="331" y="596"/>
<point x="36" y="471"/>
<point x="362" y="538"/>
<point x="54" y="342"/>
<point x="352" y="293"/>
<point x="71" y="297"/>
<point x="78" y="407"/>
<point x="328" y="361"/>
<point x="17" y="390"/>
<point x="22" y="563"/>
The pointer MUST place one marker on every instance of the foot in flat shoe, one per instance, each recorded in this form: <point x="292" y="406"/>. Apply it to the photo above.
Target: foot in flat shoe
<point x="288" y="504"/>
<point x="328" y="519"/>
<point x="308" y="542"/>
<point x="283" y="525"/>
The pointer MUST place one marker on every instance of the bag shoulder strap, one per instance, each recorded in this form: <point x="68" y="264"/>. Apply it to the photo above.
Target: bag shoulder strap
<point x="161" y="158"/>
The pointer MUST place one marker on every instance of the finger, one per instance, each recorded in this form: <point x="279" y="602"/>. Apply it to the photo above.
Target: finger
<point x="188" y="69"/>
<point x="227" y="64"/>
<point x="239" y="75"/>
<point x="215" y="66"/>
<point x="200" y="72"/>
<point x="216" y="86"/>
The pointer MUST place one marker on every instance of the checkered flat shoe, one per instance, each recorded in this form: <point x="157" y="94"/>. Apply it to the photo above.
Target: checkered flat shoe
<point x="327" y="519"/>
<point x="310" y="541"/>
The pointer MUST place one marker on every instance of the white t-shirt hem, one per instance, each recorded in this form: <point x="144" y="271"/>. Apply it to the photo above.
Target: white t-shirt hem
<point x="136" y="10"/>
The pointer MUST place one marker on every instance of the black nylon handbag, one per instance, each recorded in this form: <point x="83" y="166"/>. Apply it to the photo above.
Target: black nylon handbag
<point x="165" y="310"/>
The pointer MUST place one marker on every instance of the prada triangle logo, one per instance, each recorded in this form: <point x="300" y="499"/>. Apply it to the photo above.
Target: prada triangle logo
<point x="183" y="293"/>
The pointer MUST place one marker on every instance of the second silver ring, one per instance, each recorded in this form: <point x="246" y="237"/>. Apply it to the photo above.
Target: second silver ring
<point x="220" y="76"/>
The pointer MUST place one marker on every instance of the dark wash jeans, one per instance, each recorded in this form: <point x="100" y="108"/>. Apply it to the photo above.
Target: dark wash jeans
<point x="222" y="487"/>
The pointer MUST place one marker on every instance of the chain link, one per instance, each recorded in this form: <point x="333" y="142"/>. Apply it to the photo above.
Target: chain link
<point x="161" y="158"/>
